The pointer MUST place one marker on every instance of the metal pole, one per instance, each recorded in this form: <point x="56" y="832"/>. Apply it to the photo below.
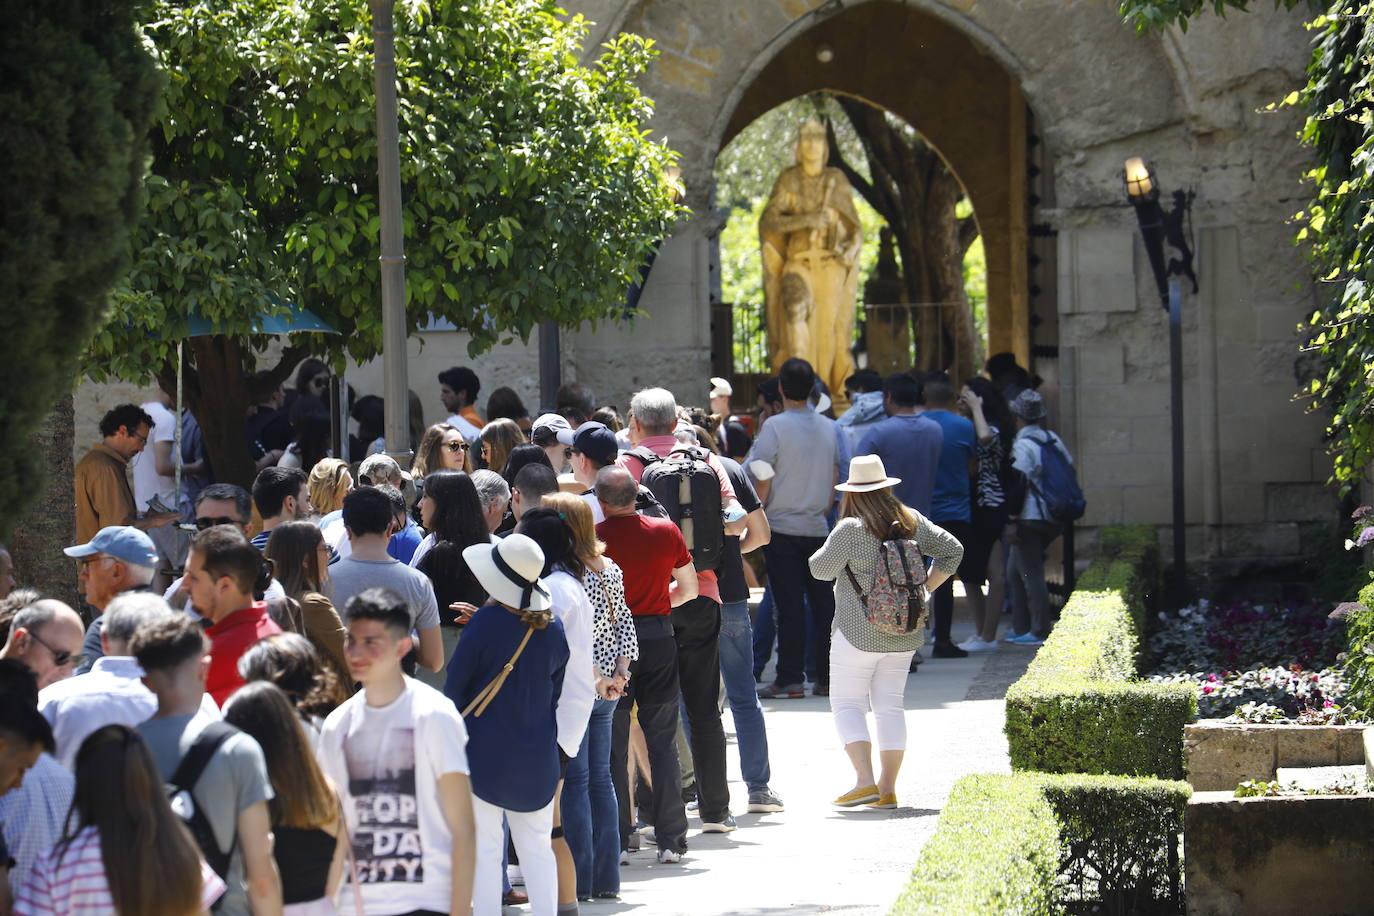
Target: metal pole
<point x="1180" y="583"/>
<point x="395" y="387"/>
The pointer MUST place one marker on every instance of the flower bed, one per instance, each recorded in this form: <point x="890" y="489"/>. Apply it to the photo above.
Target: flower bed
<point x="1255" y="663"/>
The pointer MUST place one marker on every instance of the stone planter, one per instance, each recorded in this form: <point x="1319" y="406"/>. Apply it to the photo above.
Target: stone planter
<point x="1219" y="756"/>
<point x="1280" y="856"/>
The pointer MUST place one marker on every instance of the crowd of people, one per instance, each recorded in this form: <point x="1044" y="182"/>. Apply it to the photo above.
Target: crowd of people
<point x="361" y="687"/>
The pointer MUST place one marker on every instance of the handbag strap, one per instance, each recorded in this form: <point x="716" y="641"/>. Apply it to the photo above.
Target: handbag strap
<point x="489" y="692"/>
<point x="605" y="591"/>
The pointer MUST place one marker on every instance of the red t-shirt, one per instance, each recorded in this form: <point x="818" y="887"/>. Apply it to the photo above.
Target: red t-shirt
<point x="229" y="639"/>
<point x="647" y="550"/>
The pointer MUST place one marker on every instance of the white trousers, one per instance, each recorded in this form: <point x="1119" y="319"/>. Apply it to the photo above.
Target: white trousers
<point x="529" y="831"/>
<point x="862" y="680"/>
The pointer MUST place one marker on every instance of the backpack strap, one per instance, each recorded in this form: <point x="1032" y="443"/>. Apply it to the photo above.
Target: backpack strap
<point x="646" y="456"/>
<point x="489" y="692"/>
<point x="198" y="757"/>
<point x="855" y="582"/>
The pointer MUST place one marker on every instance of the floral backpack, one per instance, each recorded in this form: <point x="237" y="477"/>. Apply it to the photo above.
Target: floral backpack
<point x="896" y="602"/>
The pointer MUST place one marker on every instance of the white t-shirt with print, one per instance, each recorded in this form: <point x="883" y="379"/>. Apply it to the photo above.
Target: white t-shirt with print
<point x="388" y="761"/>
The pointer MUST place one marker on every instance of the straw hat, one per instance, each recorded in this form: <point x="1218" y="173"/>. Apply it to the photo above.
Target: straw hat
<point x="509" y="571"/>
<point x="866" y="473"/>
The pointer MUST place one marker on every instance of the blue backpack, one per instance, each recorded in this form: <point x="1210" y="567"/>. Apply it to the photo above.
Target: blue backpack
<point x="1058" y="489"/>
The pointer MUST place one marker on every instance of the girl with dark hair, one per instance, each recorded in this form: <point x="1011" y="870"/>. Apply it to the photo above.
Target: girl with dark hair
<point x="451" y="511"/>
<point x="310" y="840"/>
<point x="504" y="402"/>
<point x="995" y="429"/>
<point x="292" y="662"/>
<point x="370" y="412"/>
<point x="123" y="849"/>
<point x="312" y="378"/>
<point x="521" y="455"/>
<point x="300" y="560"/>
<point x="562" y="575"/>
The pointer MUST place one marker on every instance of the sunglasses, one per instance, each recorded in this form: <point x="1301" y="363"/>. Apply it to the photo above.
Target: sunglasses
<point x="456" y="446"/>
<point x="61" y="658"/>
<point x="203" y="523"/>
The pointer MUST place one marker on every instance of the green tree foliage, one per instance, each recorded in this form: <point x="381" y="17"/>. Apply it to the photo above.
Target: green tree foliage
<point x="531" y="190"/>
<point x="1337" y="228"/>
<point x="77" y="93"/>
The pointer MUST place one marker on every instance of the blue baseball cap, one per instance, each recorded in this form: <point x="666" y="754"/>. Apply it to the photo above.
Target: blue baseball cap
<point x="122" y="542"/>
<point x="593" y="439"/>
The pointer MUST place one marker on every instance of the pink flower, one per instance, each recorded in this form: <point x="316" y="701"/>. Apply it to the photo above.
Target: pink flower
<point x="1211" y="677"/>
<point x="1207" y="689"/>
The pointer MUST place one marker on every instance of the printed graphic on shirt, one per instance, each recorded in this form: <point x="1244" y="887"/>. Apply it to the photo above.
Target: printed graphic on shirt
<point x="381" y="782"/>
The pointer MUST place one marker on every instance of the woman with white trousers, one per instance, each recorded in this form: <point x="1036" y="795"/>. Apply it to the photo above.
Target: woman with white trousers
<point x="868" y="667"/>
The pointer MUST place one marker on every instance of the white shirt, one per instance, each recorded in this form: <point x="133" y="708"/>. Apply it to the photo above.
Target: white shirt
<point x="387" y="762"/>
<point x="147" y="481"/>
<point x="572" y="607"/>
<point x="598" y="513"/>
<point x="111" y="693"/>
<point x="470" y="431"/>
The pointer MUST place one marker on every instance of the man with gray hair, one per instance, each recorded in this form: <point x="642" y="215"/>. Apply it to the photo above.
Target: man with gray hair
<point x="113" y="692"/>
<point x="120" y="558"/>
<point x="46" y="637"/>
<point x="494" y="493"/>
<point x="696" y="623"/>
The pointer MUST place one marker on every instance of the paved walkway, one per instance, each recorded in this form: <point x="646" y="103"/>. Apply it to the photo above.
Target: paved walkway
<point x="814" y="858"/>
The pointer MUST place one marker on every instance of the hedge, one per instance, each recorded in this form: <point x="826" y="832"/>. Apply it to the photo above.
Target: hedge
<point x="1030" y="843"/>
<point x="1077" y="708"/>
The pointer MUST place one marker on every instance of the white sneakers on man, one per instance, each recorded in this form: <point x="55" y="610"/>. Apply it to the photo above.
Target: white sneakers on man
<point x="975" y="644"/>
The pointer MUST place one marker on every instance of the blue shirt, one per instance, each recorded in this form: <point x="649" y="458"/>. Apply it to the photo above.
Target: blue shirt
<point x="952" y="502"/>
<point x="513" y="745"/>
<point x="910" y="447"/>
<point x="403" y="543"/>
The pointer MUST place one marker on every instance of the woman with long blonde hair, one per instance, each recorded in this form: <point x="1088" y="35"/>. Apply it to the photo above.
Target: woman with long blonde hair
<point x="123" y="849"/>
<point x="869" y="667"/>
<point x="589" y="808"/>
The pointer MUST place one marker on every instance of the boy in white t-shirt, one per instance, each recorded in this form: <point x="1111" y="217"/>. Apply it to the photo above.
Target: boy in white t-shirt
<point x="397" y="750"/>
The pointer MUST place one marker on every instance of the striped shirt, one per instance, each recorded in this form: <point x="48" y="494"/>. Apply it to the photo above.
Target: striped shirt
<point x="70" y="881"/>
<point x="988" y="492"/>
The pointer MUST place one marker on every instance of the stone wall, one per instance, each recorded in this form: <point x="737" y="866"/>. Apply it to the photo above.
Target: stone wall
<point x="1098" y="93"/>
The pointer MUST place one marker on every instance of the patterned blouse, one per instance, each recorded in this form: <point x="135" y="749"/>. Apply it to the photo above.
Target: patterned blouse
<point x="613" y="627"/>
<point x="850" y="544"/>
<point x="988" y="492"/>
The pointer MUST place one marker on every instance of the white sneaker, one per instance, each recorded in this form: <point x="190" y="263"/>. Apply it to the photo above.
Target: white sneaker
<point x="669" y="857"/>
<point x="976" y="644"/>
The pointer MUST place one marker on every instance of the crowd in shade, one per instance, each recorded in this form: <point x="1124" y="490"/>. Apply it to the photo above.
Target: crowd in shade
<point x="491" y="675"/>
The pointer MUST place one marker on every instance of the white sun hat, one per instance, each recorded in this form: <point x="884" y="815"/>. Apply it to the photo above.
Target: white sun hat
<point x="866" y="472"/>
<point x="509" y="571"/>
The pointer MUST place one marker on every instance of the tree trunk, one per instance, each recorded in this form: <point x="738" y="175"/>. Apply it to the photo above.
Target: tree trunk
<point x="51" y="524"/>
<point x="916" y="193"/>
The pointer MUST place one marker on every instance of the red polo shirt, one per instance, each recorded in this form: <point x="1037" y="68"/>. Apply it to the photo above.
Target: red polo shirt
<point x="647" y="550"/>
<point x="229" y="639"/>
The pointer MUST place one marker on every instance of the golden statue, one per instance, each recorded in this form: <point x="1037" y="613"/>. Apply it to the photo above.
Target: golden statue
<point x="810" y="238"/>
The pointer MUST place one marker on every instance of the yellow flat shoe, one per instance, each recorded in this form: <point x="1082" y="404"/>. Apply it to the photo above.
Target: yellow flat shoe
<point x="857" y="797"/>
<point x="884" y="801"/>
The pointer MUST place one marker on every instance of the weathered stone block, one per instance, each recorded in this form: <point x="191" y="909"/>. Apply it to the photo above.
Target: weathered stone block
<point x="1297" y="502"/>
<point x="1148" y="505"/>
<point x="1305" y="746"/>
<point x="1104" y="436"/>
<point x="1097" y="270"/>
<point x="1277" y="323"/>
<point x="1102" y="363"/>
<point x="1278" y="856"/>
<point x="1270" y="540"/>
<point x="1219" y="757"/>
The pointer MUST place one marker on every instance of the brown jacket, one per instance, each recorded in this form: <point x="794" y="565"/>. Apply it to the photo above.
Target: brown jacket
<point x="324" y="628"/>
<point x="103" y="495"/>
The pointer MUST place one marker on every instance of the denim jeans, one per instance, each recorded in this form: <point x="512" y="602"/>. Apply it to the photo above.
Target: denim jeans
<point x="591" y="819"/>
<point x="736" y="644"/>
<point x="789" y="576"/>
<point x="766" y="635"/>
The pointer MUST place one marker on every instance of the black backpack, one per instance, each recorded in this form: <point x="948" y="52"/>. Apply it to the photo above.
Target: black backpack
<point x="187" y="774"/>
<point x="689" y="490"/>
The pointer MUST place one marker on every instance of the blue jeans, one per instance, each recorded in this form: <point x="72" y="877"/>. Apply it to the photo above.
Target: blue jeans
<point x="591" y="818"/>
<point x="766" y="635"/>
<point x="736" y="659"/>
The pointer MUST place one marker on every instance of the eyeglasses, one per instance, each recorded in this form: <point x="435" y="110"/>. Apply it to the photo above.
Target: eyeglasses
<point x="456" y="446"/>
<point x="85" y="562"/>
<point x="203" y="523"/>
<point x="61" y="658"/>
<point x="567" y="454"/>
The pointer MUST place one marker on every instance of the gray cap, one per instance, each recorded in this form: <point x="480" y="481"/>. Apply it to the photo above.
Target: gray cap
<point x="1029" y="406"/>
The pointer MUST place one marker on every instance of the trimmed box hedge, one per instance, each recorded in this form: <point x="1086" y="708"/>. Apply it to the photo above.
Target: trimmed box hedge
<point x="1078" y="709"/>
<point x="1029" y="843"/>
